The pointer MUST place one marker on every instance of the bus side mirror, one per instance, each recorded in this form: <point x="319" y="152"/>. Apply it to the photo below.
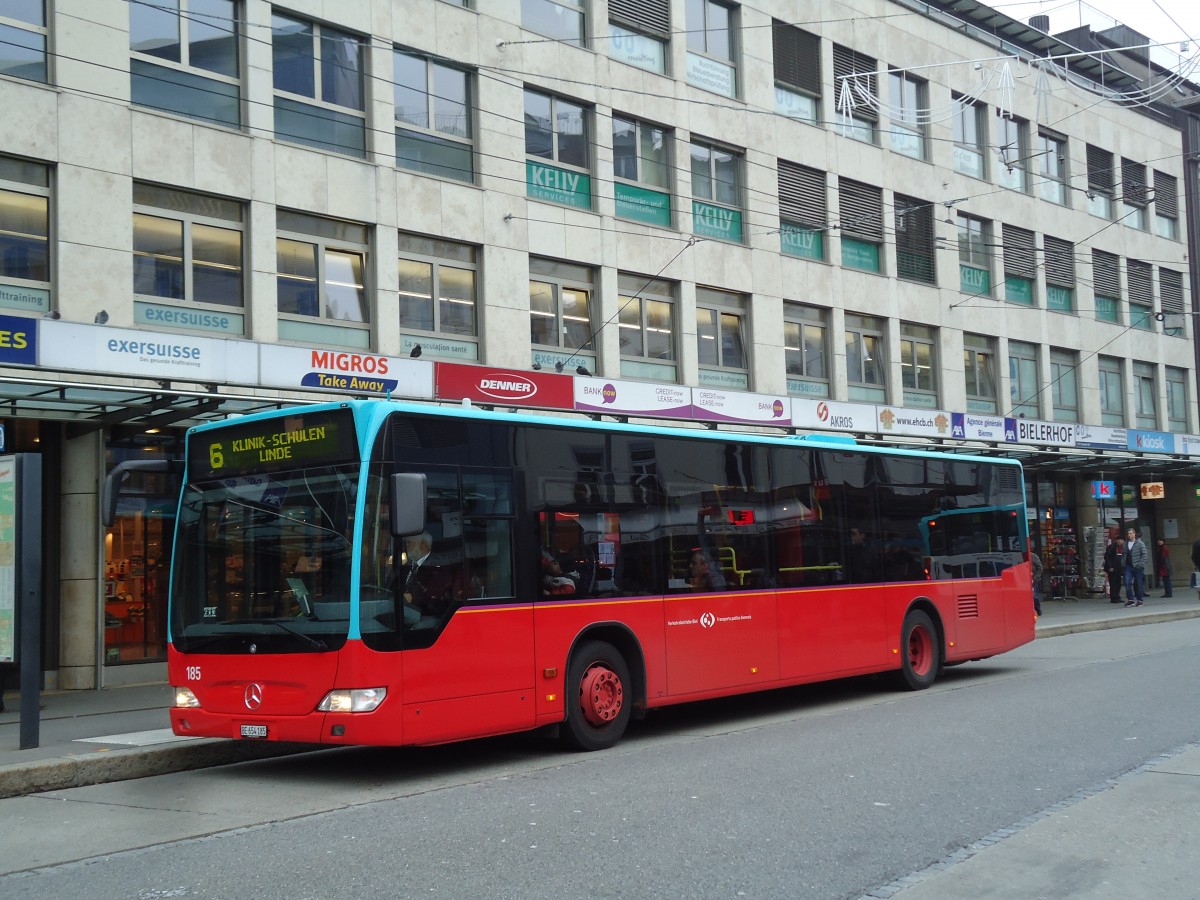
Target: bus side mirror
<point x="115" y="478"/>
<point x="407" y="503"/>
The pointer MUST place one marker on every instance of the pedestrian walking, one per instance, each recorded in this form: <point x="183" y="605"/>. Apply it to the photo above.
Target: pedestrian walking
<point x="1038" y="569"/>
<point x="1165" y="569"/>
<point x="1196" y="566"/>
<point x="1114" y="568"/>
<point x="1136" y="559"/>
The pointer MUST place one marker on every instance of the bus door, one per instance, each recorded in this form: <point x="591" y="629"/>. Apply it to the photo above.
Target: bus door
<point x="466" y="644"/>
<point x="826" y="541"/>
<point x="719" y="612"/>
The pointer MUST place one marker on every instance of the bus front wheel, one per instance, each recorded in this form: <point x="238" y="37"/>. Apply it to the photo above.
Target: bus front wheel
<point x="920" y="651"/>
<point x="598" y="702"/>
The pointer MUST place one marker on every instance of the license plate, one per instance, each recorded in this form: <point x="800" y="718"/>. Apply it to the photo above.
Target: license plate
<point x="254" y="731"/>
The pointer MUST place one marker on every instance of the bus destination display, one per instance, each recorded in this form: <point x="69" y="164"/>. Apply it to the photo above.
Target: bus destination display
<point x="273" y="445"/>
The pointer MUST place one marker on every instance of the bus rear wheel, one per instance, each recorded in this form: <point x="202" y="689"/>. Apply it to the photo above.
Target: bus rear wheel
<point x="920" y="651"/>
<point x="598" y="703"/>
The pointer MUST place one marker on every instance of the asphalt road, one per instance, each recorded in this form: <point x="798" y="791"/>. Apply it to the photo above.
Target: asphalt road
<point x="826" y="791"/>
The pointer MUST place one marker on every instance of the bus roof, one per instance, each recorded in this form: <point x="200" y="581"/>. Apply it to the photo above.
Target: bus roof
<point x="372" y="409"/>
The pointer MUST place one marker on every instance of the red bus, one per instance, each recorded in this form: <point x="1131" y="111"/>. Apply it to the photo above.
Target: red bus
<point x="378" y="572"/>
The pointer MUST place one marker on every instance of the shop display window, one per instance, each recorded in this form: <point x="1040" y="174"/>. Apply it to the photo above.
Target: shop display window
<point x="137" y="551"/>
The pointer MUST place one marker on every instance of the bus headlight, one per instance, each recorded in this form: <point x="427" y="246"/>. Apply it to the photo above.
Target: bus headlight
<point x="185" y="699"/>
<point x="352" y="701"/>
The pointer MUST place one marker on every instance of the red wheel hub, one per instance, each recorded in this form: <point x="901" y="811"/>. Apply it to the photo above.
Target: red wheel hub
<point x="601" y="695"/>
<point x="920" y="651"/>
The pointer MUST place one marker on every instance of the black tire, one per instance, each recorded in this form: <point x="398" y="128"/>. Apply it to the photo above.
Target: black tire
<point x="920" y="651"/>
<point x="598" y="695"/>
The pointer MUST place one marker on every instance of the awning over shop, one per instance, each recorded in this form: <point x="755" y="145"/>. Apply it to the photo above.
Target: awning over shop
<point x="90" y="406"/>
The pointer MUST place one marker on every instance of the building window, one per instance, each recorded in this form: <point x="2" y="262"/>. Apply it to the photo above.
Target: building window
<point x="438" y="296"/>
<point x="1020" y="265"/>
<point x="1112" y="392"/>
<point x="864" y="358"/>
<point x="24" y="235"/>
<point x="23" y="36"/>
<point x="1146" y="394"/>
<point x="433" y="117"/>
<point x="321" y="280"/>
<point x="1064" y="388"/>
<point x="560" y="314"/>
<point x="909" y="111"/>
<point x="970" y="137"/>
<point x="318" y="74"/>
<point x="856" y="94"/>
<point x="1012" y="136"/>
<point x="711" y="54"/>
<point x="642" y="171"/>
<point x="805" y="336"/>
<point x="1140" y="278"/>
<point x="562" y="20"/>
<point x="979" y="368"/>
<point x="720" y="339"/>
<point x="1177" y="403"/>
<point x="1170" y="301"/>
<point x="1100" y="182"/>
<point x="646" y="325"/>
<point x="1060" y="274"/>
<point x="185" y="59"/>
<point x="716" y="192"/>
<point x="187" y="255"/>
<point x="861" y="221"/>
<point x="914" y="240"/>
<point x="1106" y="281"/>
<point x="1166" y="205"/>
<point x="974" y="256"/>
<point x="1051" y="154"/>
<point x="1024" y="385"/>
<point x="918" y="365"/>
<point x="640" y="32"/>
<point x="803" y="217"/>
<point x="557" y="130"/>
<point x="1134" y="196"/>
<point x="797" y="59"/>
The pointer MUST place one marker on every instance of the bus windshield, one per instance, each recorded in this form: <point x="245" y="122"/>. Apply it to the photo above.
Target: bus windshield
<point x="262" y="562"/>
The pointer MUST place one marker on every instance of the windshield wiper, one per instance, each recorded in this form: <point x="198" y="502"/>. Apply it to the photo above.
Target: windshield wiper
<point x="320" y="645"/>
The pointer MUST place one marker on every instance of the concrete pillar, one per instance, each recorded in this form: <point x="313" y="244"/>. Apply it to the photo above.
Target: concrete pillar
<point x="79" y="567"/>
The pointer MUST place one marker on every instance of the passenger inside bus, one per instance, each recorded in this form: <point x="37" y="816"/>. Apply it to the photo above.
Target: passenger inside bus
<point x="556" y="583"/>
<point x="700" y="571"/>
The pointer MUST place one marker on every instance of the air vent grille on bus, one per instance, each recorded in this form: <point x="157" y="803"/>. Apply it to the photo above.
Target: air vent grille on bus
<point x="968" y="606"/>
<point x="1008" y="478"/>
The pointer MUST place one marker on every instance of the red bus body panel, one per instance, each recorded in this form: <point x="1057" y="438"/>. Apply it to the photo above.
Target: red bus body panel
<point x="501" y="669"/>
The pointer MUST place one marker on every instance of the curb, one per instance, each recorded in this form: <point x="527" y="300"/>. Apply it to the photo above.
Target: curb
<point x="19" y="779"/>
<point x="1105" y="624"/>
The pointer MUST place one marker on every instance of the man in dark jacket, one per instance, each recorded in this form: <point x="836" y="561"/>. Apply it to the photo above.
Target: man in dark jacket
<point x="1114" y="568"/>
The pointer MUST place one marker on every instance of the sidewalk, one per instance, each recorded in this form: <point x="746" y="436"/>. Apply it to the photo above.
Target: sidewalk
<point x="92" y="737"/>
